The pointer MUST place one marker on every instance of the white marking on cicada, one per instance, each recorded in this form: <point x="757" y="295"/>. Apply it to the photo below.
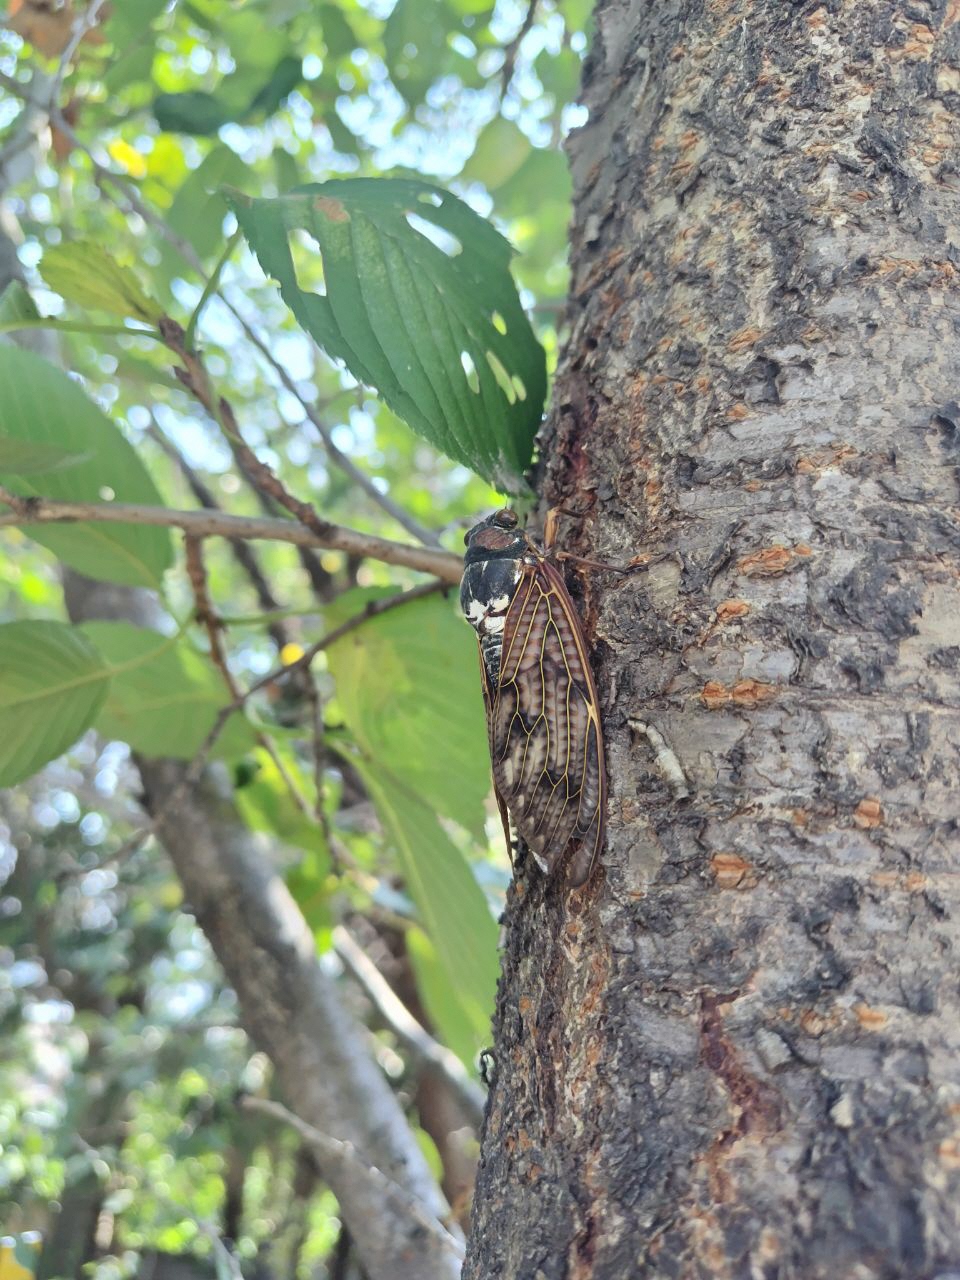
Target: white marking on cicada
<point x="493" y="626"/>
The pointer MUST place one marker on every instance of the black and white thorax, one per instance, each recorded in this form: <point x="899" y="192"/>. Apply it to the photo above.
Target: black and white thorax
<point x="490" y="581"/>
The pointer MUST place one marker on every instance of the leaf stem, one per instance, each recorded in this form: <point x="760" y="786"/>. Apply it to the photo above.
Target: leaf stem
<point x="209" y="289"/>
<point x="78" y="326"/>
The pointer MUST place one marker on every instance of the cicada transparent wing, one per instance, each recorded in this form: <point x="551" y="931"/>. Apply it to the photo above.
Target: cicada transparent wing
<point x="489" y="698"/>
<point x="546" y="741"/>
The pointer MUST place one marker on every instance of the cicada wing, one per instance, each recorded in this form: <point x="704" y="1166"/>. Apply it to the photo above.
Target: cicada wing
<point x="488" y="704"/>
<point x="546" y="741"/>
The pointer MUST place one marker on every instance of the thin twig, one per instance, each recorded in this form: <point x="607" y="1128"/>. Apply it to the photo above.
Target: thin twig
<point x="513" y="48"/>
<point x="334" y="1151"/>
<point x="81" y="28"/>
<point x="207" y="616"/>
<point x="227" y="1260"/>
<point x="194" y="376"/>
<point x="243" y="553"/>
<point x="219" y="524"/>
<point x="209" y="289"/>
<point x="319" y="763"/>
<point x="414" y="1037"/>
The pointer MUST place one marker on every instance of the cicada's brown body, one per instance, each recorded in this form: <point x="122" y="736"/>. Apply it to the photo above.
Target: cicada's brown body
<point x="543" y="721"/>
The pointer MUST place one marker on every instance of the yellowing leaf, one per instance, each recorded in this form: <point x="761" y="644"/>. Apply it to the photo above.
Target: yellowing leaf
<point x="128" y="158"/>
<point x="83" y="272"/>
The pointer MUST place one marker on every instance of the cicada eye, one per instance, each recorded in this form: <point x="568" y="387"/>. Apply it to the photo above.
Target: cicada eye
<point x="466" y="538"/>
<point x="506" y="519"/>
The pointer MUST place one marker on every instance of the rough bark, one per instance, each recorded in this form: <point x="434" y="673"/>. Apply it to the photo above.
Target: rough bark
<point x="737" y="1054"/>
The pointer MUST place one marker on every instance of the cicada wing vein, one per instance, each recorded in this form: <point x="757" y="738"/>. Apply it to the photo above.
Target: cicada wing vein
<point x="543" y="719"/>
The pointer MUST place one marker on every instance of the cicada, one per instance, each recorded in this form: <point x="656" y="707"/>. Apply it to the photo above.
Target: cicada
<point x="543" y="717"/>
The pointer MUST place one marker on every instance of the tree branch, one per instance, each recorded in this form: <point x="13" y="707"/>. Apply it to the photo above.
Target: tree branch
<point x="416" y="1039"/>
<point x="243" y="553"/>
<point x="386" y="1193"/>
<point x="513" y="48"/>
<point x="206" y="524"/>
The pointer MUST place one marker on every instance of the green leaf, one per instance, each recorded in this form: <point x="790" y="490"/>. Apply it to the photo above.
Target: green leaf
<point x="129" y="22"/>
<point x="84" y="273"/>
<point x="197" y="212"/>
<point x="285" y="77"/>
<point x="441" y="997"/>
<point x="419" y="304"/>
<point x="452" y="906"/>
<point x="16" y="304"/>
<point x="338" y="35"/>
<point x="26" y="457"/>
<point x="419" y="661"/>
<point x="265" y="804"/>
<point x="132" y="67"/>
<point x="415" y="45"/>
<point x="576" y="13"/>
<point x="40" y="405"/>
<point x="195" y="112"/>
<point x="52" y="683"/>
<point x="559" y="73"/>
<point x="200" y="113"/>
<point x="164" y="696"/>
<point x="308" y="883"/>
<point x="501" y="149"/>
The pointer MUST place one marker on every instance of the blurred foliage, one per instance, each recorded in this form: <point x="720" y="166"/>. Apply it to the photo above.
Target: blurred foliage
<point x="120" y="1052"/>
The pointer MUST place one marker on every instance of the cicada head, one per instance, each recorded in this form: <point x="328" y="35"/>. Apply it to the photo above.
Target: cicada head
<point x="495" y="549"/>
<point x="496" y="538"/>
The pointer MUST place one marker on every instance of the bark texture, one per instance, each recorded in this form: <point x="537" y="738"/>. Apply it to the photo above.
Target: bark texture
<point x="737" y="1053"/>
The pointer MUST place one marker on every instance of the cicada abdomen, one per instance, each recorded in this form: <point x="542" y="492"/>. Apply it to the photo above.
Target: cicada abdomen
<point x="543" y="719"/>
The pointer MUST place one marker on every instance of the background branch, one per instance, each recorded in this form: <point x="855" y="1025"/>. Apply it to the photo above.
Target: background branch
<point x="415" y="1038"/>
<point x="386" y="1191"/>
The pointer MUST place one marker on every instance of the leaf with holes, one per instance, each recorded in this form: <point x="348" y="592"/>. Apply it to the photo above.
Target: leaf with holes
<point x="40" y="405"/>
<point x="412" y="290"/>
<point x="52" y="683"/>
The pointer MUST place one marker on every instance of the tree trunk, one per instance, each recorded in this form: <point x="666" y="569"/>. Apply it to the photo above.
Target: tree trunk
<point x="737" y="1053"/>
